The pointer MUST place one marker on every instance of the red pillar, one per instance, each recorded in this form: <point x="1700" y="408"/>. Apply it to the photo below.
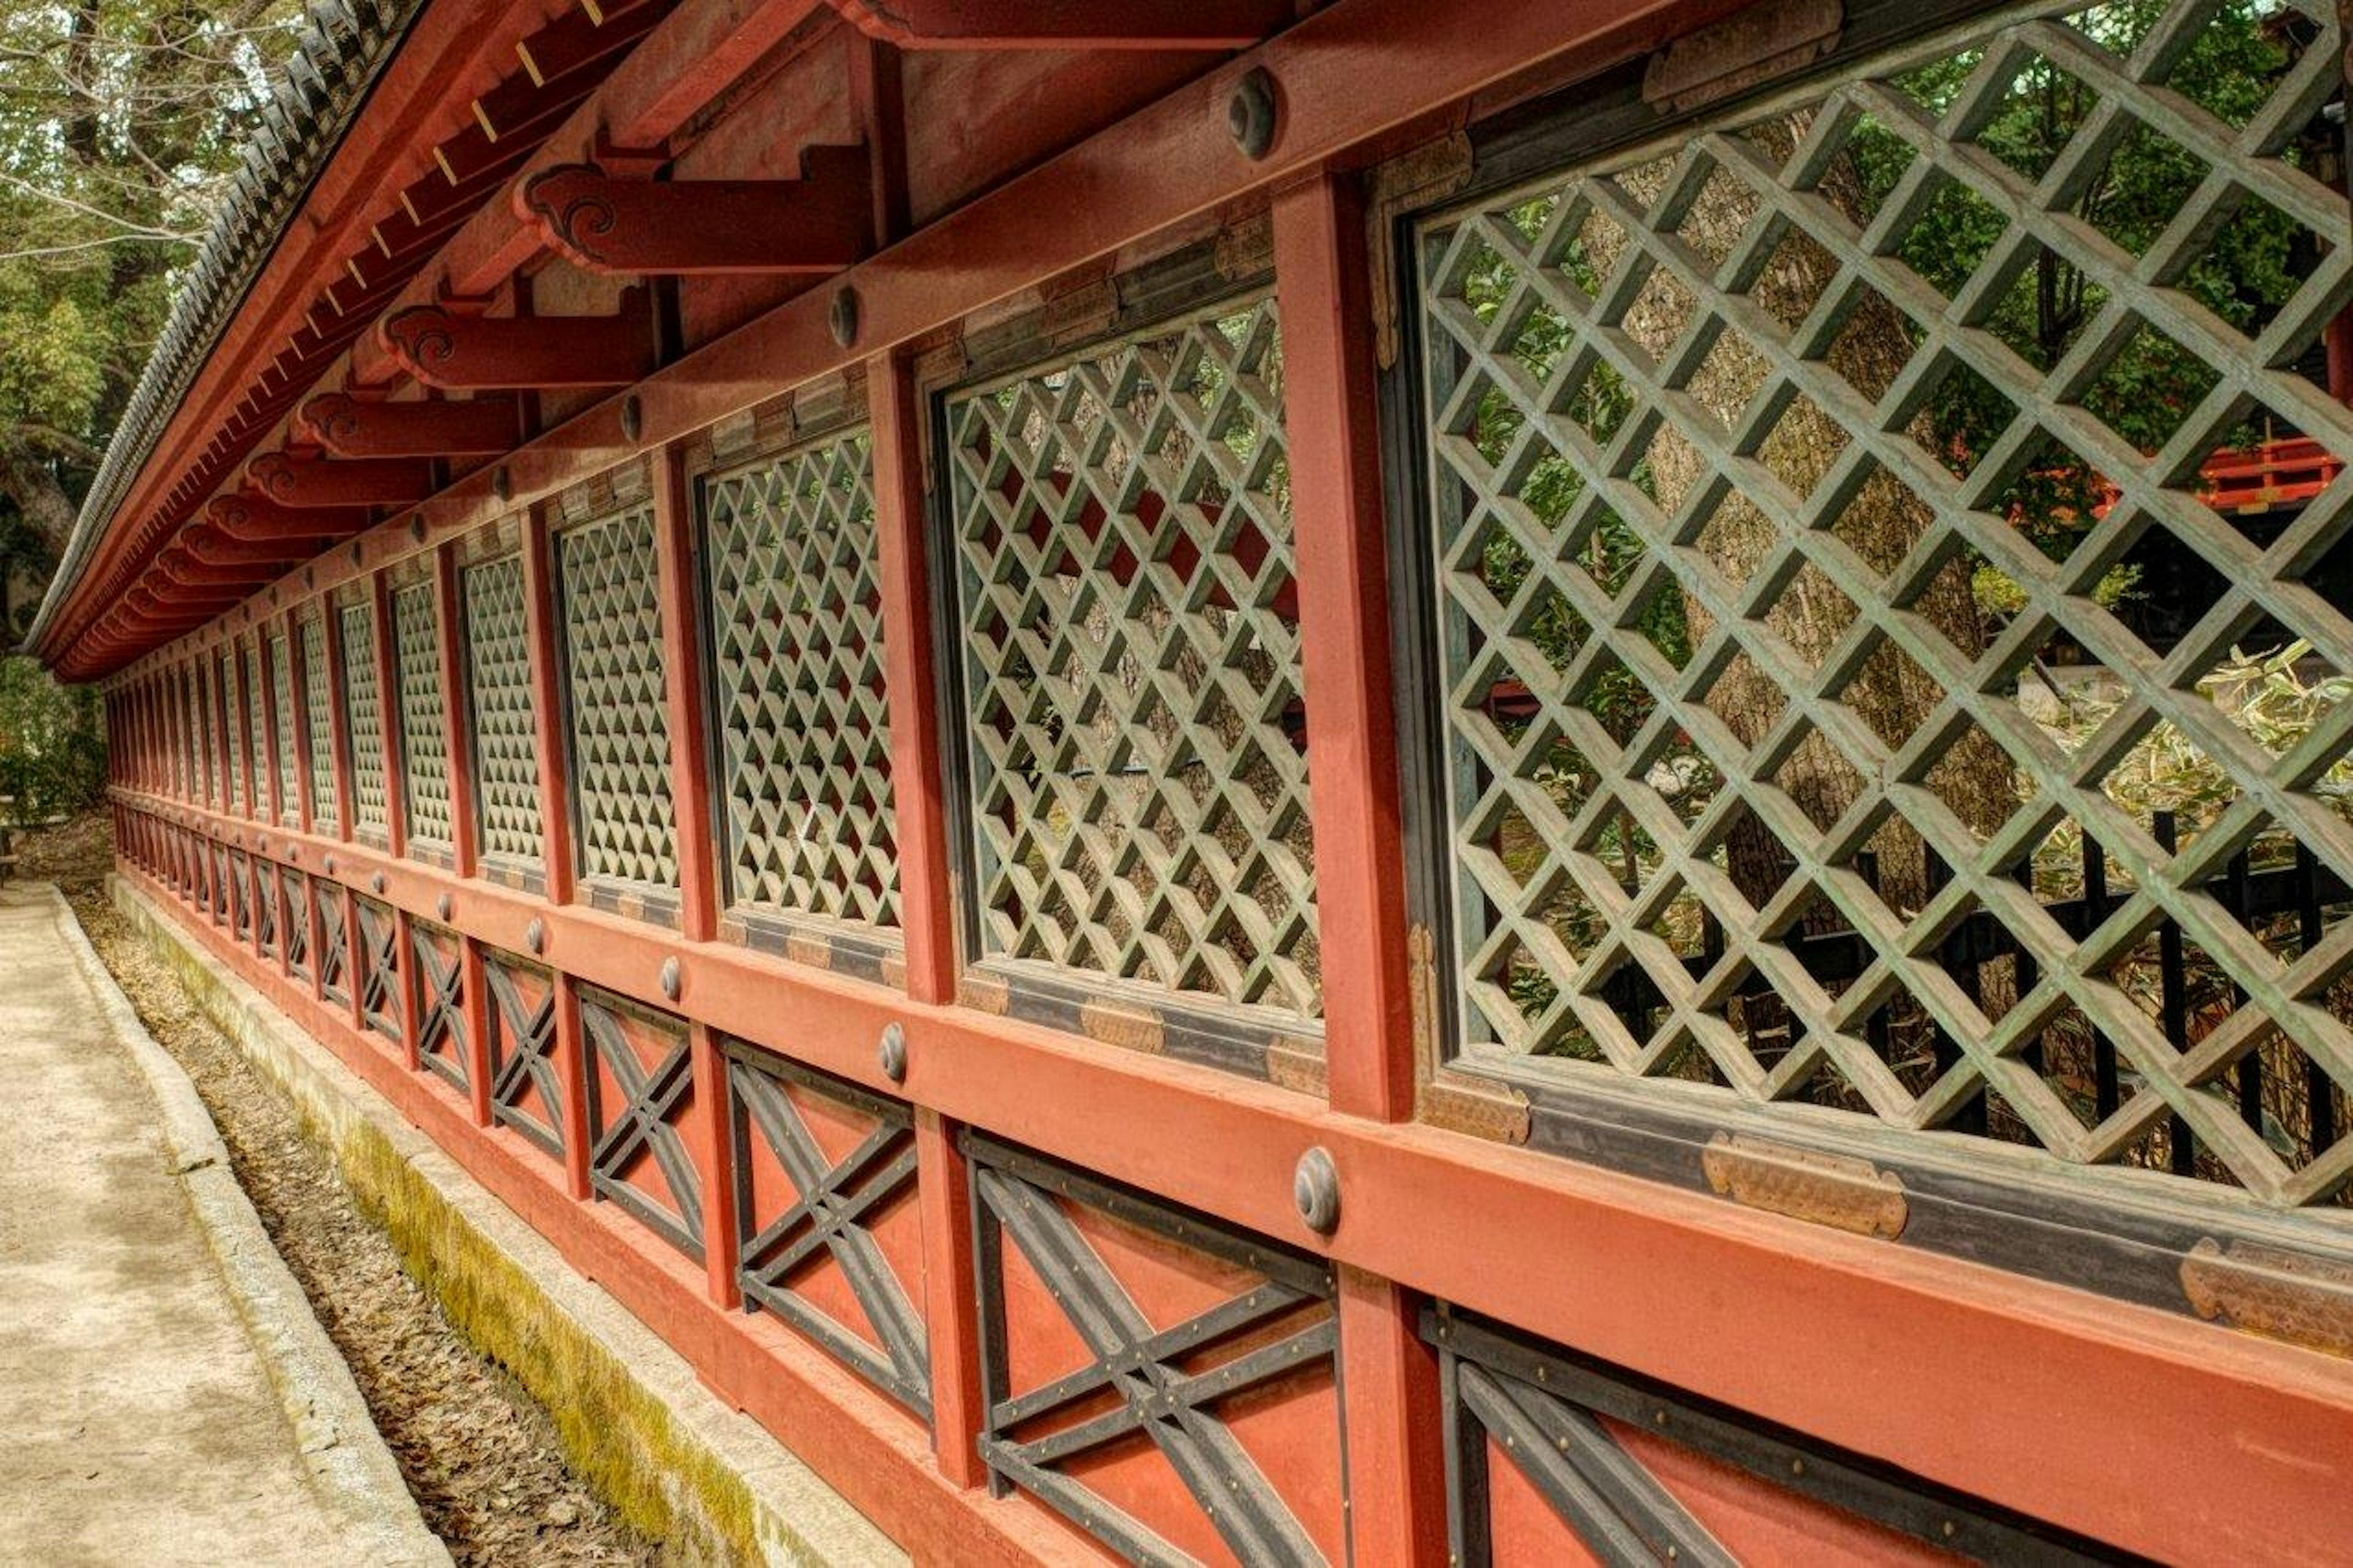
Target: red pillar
<point x="1395" y="1464"/>
<point x="927" y="914"/>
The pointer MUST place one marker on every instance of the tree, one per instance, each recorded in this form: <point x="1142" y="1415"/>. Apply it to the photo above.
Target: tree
<point x="119" y="123"/>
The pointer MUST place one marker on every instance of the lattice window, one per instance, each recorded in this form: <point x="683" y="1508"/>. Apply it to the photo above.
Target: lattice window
<point x="257" y="728"/>
<point x="424" y="727"/>
<point x="1894" y="583"/>
<point x="1131" y="691"/>
<point x="318" y="703"/>
<point x="193" y="730"/>
<point x="224" y="711"/>
<point x="797" y="637"/>
<point x="364" y="720"/>
<point x="615" y="701"/>
<point x="506" y="743"/>
<point x="281" y="718"/>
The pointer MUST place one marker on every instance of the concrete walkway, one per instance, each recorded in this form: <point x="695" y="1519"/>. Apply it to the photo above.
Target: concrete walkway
<point x="166" y="1396"/>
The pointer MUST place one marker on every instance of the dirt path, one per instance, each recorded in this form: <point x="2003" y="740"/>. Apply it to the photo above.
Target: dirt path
<point x="479" y="1456"/>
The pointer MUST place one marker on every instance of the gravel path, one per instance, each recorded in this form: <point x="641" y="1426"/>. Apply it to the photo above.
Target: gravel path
<point x="479" y="1456"/>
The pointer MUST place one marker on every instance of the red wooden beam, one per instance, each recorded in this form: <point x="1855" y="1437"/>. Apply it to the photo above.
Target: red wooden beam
<point x="257" y="519"/>
<point x="460" y="353"/>
<point x="208" y="546"/>
<point x="352" y="426"/>
<point x="295" y="479"/>
<point x="1066" y="24"/>
<point x="820" y="223"/>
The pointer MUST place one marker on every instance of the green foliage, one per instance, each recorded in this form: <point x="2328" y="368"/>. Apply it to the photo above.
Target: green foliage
<point x="52" y="742"/>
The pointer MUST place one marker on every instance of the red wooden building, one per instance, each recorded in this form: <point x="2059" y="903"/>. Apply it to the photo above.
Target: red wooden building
<point x="1271" y="780"/>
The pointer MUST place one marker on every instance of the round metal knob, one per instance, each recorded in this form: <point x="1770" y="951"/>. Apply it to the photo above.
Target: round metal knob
<point x="892" y="1053"/>
<point x="1316" y="1189"/>
<point x="443" y="905"/>
<point x="534" y="935"/>
<point x="1252" y="114"/>
<point x="673" y="975"/>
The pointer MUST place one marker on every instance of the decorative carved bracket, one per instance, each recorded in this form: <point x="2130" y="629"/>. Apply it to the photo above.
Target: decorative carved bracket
<point x="208" y="547"/>
<point x="601" y="222"/>
<point x="359" y="427"/>
<point x="299" y="480"/>
<point x="446" y="348"/>
<point x="257" y="519"/>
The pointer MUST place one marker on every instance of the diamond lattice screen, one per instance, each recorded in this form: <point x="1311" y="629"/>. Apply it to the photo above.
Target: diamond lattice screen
<point x="363" y="720"/>
<point x="257" y="728"/>
<point x="225" y="706"/>
<point x="318" y="704"/>
<point x="198" y="733"/>
<point x="796" y="636"/>
<point x="1131" y="661"/>
<point x="1893" y="598"/>
<point x="506" y="747"/>
<point x="281" y="718"/>
<point x="423" y="728"/>
<point x="613" y="680"/>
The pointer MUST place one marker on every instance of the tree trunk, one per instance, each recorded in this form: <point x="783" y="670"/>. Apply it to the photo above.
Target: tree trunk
<point x="28" y="481"/>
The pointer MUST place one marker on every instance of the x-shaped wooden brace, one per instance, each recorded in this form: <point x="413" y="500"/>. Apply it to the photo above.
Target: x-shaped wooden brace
<point x="524" y="1043"/>
<point x="298" y="925"/>
<point x="834" y="1201"/>
<point x="1158" y="1398"/>
<point x="441" y="1012"/>
<point x="334" y="939"/>
<point x="265" y="908"/>
<point x="380" y="983"/>
<point x="240" y="900"/>
<point x="643" y="1125"/>
<point x="1608" y="1496"/>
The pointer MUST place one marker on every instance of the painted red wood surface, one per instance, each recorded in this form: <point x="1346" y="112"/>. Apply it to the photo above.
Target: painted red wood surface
<point x="2009" y="1390"/>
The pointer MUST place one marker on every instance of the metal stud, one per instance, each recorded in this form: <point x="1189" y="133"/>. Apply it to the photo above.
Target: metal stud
<point x="1253" y="114"/>
<point x="534" y="935"/>
<point x="443" y="905"/>
<point x="633" y="419"/>
<point x="416" y="529"/>
<point x="503" y="483"/>
<point x="892" y="1053"/>
<point x="1316" y="1189"/>
<point x="375" y="884"/>
<point x="672" y="977"/>
<point x="359" y="554"/>
<point x="330" y="864"/>
<point x="841" y="315"/>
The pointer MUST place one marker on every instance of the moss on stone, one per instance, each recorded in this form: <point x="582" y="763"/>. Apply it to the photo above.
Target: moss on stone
<point x="622" y="1438"/>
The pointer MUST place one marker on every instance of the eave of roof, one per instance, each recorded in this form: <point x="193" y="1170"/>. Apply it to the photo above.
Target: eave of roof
<point x="316" y="100"/>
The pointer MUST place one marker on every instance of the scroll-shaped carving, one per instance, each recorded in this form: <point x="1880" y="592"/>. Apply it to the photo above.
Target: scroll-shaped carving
<point x="820" y="223"/>
<point x="360" y="428"/>
<point x="295" y="480"/>
<point x="442" y="348"/>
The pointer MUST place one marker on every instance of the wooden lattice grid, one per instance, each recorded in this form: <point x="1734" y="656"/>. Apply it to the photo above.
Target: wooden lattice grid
<point x="505" y="739"/>
<point x="424" y="725"/>
<point x="614" y="700"/>
<point x="257" y="728"/>
<point x="363" y="720"/>
<point x="1758" y="615"/>
<point x="796" y="656"/>
<point x="224" y="706"/>
<point x="1131" y="706"/>
<point x="196" y="734"/>
<point x="281" y="721"/>
<point x="318" y="704"/>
